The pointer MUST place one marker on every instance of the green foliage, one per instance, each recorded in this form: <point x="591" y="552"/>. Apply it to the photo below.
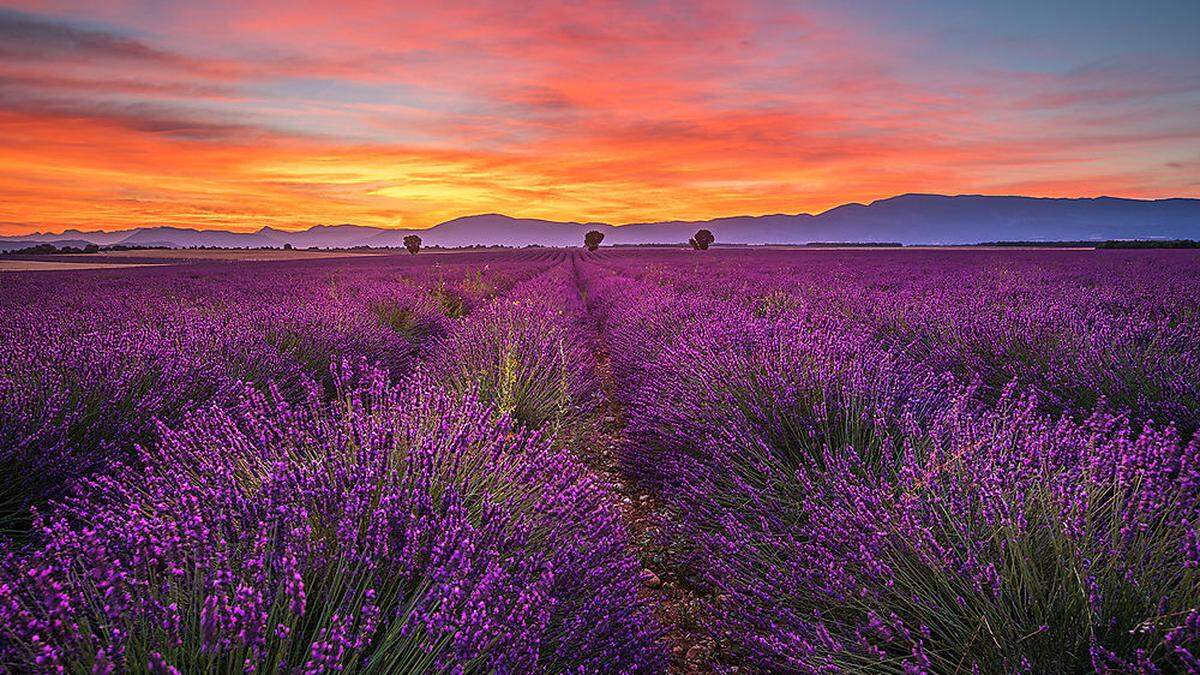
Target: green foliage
<point x="702" y="240"/>
<point x="592" y="239"/>
<point x="1056" y="593"/>
<point x="400" y="319"/>
<point x="413" y="243"/>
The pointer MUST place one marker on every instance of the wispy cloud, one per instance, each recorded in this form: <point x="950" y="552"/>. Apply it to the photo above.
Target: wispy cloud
<point x="243" y="114"/>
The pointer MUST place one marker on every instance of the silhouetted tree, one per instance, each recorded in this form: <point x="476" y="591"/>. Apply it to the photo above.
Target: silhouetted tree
<point x="413" y="243"/>
<point x="287" y="247"/>
<point x="592" y="239"/>
<point x="702" y="240"/>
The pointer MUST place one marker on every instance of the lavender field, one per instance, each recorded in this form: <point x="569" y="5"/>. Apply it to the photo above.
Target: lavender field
<point x="616" y="461"/>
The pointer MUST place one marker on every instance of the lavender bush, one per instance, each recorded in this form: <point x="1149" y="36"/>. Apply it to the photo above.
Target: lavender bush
<point x="526" y="354"/>
<point x="392" y="530"/>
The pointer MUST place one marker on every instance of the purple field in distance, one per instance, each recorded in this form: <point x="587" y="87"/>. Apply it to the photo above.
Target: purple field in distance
<point x="613" y="461"/>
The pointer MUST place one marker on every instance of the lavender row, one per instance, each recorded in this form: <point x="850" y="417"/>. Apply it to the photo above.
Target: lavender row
<point x="527" y="353"/>
<point x="850" y="502"/>
<point x="1082" y="329"/>
<point x="89" y="362"/>
<point x="395" y="530"/>
<point x="369" y="523"/>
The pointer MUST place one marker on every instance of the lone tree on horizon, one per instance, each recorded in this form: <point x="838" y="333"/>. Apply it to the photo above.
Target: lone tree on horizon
<point x="592" y="239"/>
<point x="702" y="240"/>
<point x="413" y="243"/>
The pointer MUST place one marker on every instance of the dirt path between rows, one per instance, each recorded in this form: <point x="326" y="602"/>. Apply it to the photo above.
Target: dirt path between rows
<point x="675" y="602"/>
<point x="677" y="605"/>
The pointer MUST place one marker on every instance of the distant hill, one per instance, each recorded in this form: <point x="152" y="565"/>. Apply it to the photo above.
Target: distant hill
<point x="909" y="219"/>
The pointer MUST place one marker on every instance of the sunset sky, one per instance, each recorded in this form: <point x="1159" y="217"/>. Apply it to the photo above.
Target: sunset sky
<point x="242" y="114"/>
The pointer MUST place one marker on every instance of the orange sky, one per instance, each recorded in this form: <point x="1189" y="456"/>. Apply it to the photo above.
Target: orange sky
<point x="394" y="114"/>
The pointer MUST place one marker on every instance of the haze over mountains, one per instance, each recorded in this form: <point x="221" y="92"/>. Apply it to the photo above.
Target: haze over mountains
<point x="909" y="219"/>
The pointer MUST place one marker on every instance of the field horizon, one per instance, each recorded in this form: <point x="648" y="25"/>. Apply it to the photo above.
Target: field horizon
<point x="912" y="219"/>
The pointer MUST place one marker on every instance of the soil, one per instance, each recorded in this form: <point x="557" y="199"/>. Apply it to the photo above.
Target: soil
<point x="10" y="265"/>
<point x="677" y="603"/>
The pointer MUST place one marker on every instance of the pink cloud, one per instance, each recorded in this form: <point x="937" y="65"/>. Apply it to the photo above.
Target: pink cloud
<point x="729" y="107"/>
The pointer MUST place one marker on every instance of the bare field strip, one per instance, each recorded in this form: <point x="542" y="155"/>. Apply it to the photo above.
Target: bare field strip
<point x="46" y="266"/>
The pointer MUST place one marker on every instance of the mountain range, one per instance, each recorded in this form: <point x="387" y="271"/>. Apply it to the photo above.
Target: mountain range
<point x="909" y="219"/>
